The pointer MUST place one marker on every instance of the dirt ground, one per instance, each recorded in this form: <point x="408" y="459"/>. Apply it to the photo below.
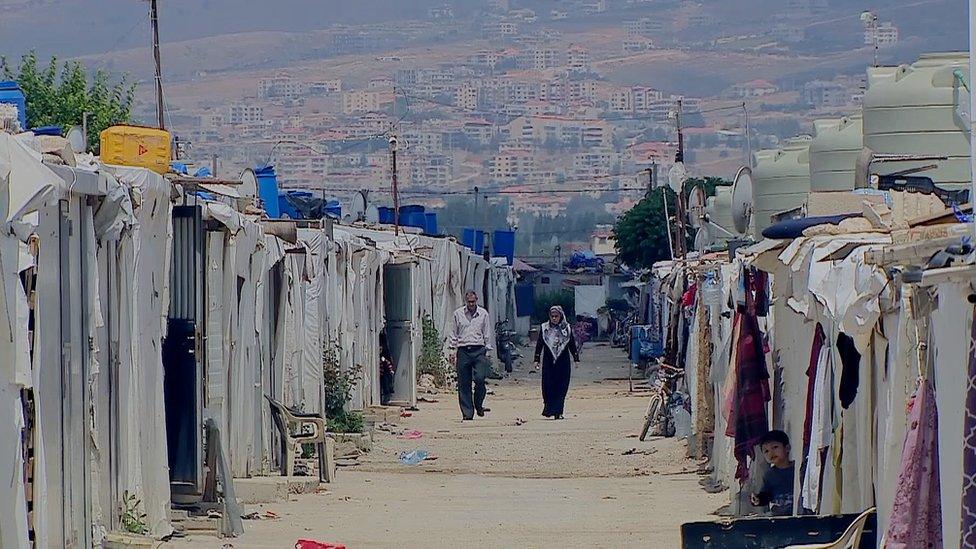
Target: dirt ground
<point x="498" y="482"/>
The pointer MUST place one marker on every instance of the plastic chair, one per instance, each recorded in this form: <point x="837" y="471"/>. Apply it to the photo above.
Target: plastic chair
<point x="851" y="539"/>
<point x="291" y="425"/>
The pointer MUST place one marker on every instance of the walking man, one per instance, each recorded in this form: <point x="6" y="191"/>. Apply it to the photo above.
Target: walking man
<point x="472" y="336"/>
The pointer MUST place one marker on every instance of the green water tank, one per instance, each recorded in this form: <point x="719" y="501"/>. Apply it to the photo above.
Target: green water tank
<point x="834" y="150"/>
<point x="781" y="181"/>
<point x="918" y="109"/>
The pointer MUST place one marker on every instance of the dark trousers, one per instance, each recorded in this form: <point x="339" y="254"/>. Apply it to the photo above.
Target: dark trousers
<point x="472" y="365"/>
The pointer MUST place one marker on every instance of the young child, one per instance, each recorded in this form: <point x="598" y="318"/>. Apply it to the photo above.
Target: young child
<point x="777" y="488"/>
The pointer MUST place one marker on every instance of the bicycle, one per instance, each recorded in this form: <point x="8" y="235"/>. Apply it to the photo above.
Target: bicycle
<point x="659" y="409"/>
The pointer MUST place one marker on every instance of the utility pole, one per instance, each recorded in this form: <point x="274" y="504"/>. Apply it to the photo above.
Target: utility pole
<point x="84" y="127"/>
<point x="154" y="21"/>
<point x="396" y="190"/>
<point x="213" y="165"/>
<point x="745" y="113"/>
<point x="679" y="214"/>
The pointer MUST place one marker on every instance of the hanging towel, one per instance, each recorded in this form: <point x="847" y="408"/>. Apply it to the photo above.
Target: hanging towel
<point x="916" y="519"/>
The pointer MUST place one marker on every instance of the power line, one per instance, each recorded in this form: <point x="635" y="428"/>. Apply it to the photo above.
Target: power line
<point x="496" y="192"/>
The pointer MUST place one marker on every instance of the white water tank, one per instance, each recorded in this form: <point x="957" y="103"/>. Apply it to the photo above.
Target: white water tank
<point x="719" y="210"/>
<point x="834" y="150"/>
<point x="781" y="181"/>
<point x="916" y="110"/>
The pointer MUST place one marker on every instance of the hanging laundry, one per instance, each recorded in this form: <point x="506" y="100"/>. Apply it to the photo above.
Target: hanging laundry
<point x="850" y="360"/>
<point x="916" y="519"/>
<point x="821" y="426"/>
<point x="749" y="422"/>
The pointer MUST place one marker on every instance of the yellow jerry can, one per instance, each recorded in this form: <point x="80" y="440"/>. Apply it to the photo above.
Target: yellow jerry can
<point x="137" y="146"/>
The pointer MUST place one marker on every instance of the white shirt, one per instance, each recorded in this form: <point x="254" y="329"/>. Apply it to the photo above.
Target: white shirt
<point x="471" y="329"/>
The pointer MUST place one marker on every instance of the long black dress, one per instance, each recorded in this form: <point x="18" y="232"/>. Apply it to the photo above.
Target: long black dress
<point x="556" y="372"/>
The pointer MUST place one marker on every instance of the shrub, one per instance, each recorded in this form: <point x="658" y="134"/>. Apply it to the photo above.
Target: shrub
<point x="432" y="359"/>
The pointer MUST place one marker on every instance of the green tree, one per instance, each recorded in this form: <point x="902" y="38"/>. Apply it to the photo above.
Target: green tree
<point x="642" y="237"/>
<point x="62" y="100"/>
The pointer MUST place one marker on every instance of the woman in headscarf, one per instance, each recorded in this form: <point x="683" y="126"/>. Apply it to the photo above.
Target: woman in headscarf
<point x="552" y="353"/>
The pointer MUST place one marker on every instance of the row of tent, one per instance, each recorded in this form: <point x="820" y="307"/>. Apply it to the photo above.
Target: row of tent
<point x="856" y="339"/>
<point x="134" y="310"/>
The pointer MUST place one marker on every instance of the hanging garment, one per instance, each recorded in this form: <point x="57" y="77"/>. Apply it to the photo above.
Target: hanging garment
<point x="750" y="422"/>
<point x="820" y="431"/>
<point x="968" y="528"/>
<point x="850" y="360"/>
<point x="916" y="520"/>
<point x="705" y="394"/>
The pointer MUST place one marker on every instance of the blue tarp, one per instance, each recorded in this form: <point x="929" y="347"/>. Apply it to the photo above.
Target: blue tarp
<point x="584" y="260"/>
<point x="643" y="345"/>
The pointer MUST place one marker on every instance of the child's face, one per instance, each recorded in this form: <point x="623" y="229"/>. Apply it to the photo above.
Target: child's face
<point x="776" y="454"/>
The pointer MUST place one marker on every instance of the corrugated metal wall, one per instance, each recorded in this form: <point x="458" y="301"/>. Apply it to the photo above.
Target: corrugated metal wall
<point x="187" y="262"/>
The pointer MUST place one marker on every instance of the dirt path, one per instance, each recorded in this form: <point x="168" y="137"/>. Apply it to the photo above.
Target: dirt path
<point x="496" y="483"/>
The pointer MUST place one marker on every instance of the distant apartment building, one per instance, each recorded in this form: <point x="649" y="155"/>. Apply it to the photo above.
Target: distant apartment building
<point x="245" y="114"/>
<point x="407" y="78"/>
<point x="520" y="91"/>
<point x="636" y="45"/>
<point x="644" y="97"/>
<point x="487" y="59"/>
<point x="501" y="29"/>
<point x="652" y="152"/>
<point x="466" y="96"/>
<point x="557" y="15"/>
<point x="753" y="89"/>
<point x="441" y="12"/>
<point x="479" y="131"/>
<point x="365" y="101"/>
<point x="884" y="34"/>
<point x="436" y="170"/>
<point x="380" y="83"/>
<point x="280" y="87"/>
<point x="538" y="59"/>
<point x="645" y="27"/>
<point x="581" y="90"/>
<point x="821" y="93"/>
<point x="703" y="20"/>
<point x="592" y="8"/>
<point x="423" y="142"/>
<point x="621" y="101"/>
<point x="595" y="162"/>
<point x="325" y="87"/>
<point x="578" y="59"/>
<point x="526" y="131"/>
<point x="511" y="165"/>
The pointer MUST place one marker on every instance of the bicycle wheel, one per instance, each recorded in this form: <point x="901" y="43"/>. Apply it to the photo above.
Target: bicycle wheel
<point x="653" y="410"/>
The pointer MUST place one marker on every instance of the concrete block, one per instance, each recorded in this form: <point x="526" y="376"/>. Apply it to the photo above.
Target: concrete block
<point x="261" y="489"/>
<point x="330" y="461"/>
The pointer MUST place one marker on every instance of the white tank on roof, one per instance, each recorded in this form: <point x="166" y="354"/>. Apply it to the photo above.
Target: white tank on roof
<point x="834" y="150"/>
<point x="919" y="109"/>
<point x="781" y="181"/>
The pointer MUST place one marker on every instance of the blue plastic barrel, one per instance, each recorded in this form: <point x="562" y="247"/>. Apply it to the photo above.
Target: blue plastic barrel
<point x="386" y="215"/>
<point x="474" y="240"/>
<point x="503" y="243"/>
<point x="414" y="219"/>
<point x="11" y="93"/>
<point x="431" y="225"/>
<point x="268" y="190"/>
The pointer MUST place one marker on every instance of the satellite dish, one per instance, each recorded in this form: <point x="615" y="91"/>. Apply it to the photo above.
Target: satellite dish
<point x="249" y="184"/>
<point x="76" y="138"/>
<point x="347" y="217"/>
<point x="676" y="176"/>
<point x="372" y="214"/>
<point x="358" y="209"/>
<point x="696" y="206"/>
<point x="554" y="241"/>
<point x="742" y="200"/>
<point x="703" y="238"/>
